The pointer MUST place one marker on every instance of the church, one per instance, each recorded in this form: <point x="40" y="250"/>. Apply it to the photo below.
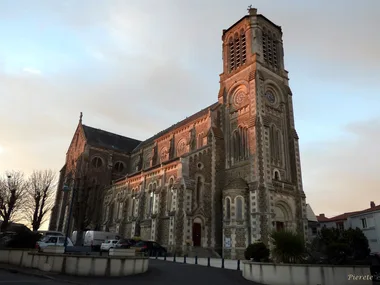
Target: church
<point x="219" y="180"/>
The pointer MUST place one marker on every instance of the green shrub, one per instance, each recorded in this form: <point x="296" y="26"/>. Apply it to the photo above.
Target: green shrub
<point x="288" y="247"/>
<point x="257" y="251"/>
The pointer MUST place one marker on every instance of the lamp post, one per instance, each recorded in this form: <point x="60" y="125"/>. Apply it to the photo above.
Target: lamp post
<point x="66" y="189"/>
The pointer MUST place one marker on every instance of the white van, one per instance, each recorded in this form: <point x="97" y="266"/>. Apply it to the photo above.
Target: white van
<point x="74" y="237"/>
<point x="96" y="238"/>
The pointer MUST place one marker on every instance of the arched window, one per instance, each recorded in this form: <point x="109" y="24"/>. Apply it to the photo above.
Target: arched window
<point x="275" y="144"/>
<point x="240" y="144"/>
<point x="231" y="54"/>
<point x="237" y="51"/>
<point x="270" y="49"/>
<point x="170" y="195"/>
<point x="133" y="208"/>
<point x="200" y="140"/>
<point x="151" y="197"/>
<point x="97" y="162"/>
<point x="239" y="208"/>
<point x="243" y="47"/>
<point x="119" y="166"/>
<point x="228" y="208"/>
<point x="198" y="190"/>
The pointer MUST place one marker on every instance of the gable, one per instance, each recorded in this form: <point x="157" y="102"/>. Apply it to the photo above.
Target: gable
<point x="107" y="140"/>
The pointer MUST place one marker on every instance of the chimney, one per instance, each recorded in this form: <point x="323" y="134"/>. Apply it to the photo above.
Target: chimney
<point x="322" y="215"/>
<point x="372" y="204"/>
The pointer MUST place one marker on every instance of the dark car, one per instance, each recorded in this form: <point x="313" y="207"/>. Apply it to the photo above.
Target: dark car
<point x="125" y="243"/>
<point x="150" y="248"/>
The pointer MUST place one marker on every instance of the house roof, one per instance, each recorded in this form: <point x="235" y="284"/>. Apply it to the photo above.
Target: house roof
<point x="104" y="139"/>
<point x="345" y="216"/>
<point x="321" y="218"/>
<point x="369" y="210"/>
<point x="178" y="125"/>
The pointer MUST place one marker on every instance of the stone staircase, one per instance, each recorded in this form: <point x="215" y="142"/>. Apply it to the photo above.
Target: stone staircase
<point x="202" y="252"/>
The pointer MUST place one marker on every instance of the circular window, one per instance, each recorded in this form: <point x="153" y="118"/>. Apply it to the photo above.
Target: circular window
<point x="97" y="162"/>
<point x="119" y="166"/>
<point x="200" y="165"/>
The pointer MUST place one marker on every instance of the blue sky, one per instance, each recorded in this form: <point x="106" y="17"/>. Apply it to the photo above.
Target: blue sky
<point x="136" y="67"/>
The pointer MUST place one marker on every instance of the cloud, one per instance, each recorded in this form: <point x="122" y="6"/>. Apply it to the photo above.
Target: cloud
<point x="32" y="70"/>
<point x="135" y="68"/>
<point x="342" y="175"/>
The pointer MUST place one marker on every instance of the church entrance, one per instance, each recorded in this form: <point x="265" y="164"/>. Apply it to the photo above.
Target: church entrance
<point x="279" y="226"/>
<point x="197" y="228"/>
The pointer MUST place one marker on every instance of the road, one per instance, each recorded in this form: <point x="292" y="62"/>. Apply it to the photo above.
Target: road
<point x="164" y="272"/>
<point x="21" y="279"/>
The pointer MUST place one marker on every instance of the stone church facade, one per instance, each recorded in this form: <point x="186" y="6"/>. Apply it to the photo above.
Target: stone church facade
<point x="228" y="175"/>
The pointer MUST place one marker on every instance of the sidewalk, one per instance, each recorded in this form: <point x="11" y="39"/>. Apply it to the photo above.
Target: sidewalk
<point x="214" y="262"/>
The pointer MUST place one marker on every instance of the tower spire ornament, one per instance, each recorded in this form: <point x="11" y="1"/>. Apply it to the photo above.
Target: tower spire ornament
<point x="251" y="11"/>
<point x="80" y="117"/>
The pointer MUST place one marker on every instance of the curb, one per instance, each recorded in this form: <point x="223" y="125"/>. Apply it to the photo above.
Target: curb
<point x="37" y="274"/>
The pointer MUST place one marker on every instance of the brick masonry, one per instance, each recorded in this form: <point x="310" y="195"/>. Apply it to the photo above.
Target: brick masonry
<point x="242" y="149"/>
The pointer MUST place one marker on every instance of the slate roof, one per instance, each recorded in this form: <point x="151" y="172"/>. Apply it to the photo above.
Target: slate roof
<point x="177" y="125"/>
<point x="104" y="139"/>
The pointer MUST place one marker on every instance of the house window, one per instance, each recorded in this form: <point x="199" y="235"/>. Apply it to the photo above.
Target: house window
<point x="314" y="230"/>
<point x="239" y="208"/>
<point x="364" y="223"/>
<point x="340" y="226"/>
<point x="228" y="208"/>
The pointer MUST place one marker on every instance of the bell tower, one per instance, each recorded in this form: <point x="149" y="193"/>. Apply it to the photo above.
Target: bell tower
<point x="261" y="143"/>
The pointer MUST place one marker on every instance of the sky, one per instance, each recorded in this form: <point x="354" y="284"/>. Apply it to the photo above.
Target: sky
<point x="137" y="67"/>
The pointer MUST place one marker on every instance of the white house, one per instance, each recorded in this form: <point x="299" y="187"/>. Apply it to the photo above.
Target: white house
<point x="367" y="220"/>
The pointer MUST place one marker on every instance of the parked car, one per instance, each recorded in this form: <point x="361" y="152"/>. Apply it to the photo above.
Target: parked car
<point x="53" y="240"/>
<point x="108" y="244"/>
<point x="150" y="248"/>
<point x="51" y="233"/>
<point x="125" y="243"/>
<point x="95" y="238"/>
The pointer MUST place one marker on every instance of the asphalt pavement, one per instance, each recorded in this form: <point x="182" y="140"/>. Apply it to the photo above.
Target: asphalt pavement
<point x="164" y="272"/>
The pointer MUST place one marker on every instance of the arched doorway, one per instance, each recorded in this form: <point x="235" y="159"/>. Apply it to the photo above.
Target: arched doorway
<point x="282" y="217"/>
<point x="197" y="232"/>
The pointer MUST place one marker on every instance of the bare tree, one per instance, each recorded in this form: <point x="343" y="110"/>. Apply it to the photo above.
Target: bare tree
<point x="40" y="197"/>
<point x="12" y="189"/>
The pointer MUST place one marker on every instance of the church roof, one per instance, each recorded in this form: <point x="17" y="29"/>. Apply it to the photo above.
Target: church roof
<point x="238" y="183"/>
<point x="104" y="139"/>
<point x="310" y="214"/>
<point x="177" y="125"/>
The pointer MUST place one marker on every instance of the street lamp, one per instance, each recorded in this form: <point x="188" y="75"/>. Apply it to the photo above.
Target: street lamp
<point x="66" y="189"/>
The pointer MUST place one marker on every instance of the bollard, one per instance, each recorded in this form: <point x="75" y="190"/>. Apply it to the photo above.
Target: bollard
<point x="196" y="259"/>
<point x="165" y="256"/>
<point x="157" y="255"/>
<point x="238" y="264"/>
<point x="174" y="257"/>
<point x="222" y="262"/>
<point x="208" y="261"/>
<point x="184" y="259"/>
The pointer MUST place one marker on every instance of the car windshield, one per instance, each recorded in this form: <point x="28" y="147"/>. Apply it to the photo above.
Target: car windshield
<point x="106" y="241"/>
<point x="140" y="243"/>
